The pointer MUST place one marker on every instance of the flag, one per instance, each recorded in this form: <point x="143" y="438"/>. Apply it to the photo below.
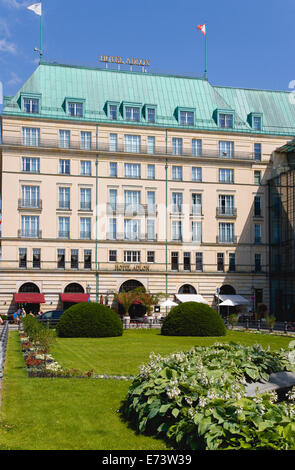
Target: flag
<point x="202" y="28"/>
<point x="36" y="8"/>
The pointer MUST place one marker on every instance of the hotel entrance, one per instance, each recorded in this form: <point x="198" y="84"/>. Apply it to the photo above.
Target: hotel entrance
<point x="137" y="309"/>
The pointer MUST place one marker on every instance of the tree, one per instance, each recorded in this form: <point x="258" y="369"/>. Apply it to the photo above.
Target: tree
<point x="126" y="299"/>
<point x="147" y="299"/>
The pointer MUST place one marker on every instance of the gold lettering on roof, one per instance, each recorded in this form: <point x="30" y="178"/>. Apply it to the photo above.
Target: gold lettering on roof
<point x="114" y="59"/>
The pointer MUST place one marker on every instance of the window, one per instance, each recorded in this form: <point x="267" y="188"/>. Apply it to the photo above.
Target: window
<point x="131" y="229"/>
<point x="177" y="230"/>
<point x="226" y="233"/>
<point x="151" y="172"/>
<point x="85" y="140"/>
<point x="64" y="167"/>
<point x="85" y="228"/>
<point x="85" y="168"/>
<point x="113" y="255"/>
<point x="30" y="226"/>
<point x="113" y="199"/>
<point x="61" y="259"/>
<point x="199" y="261"/>
<point x="257" y="177"/>
<point x="196" y="174"/>
<point x="257" y="233"/>
<point x="64" y="227"/>
<point x="74" y="259"/>
<point x="257" y="206"/>
<point x="132" y="113"/>
<point x="197" y="232"/>
<point x="226" y="121"/>
<point x="177" y="173"/>
<point x="150" y="229"/>
<point x="196" y="204"/>
<point x="132" y="170"/>
<point x="113" y="112"/>
<point x="87" y="259"/>
<point x="31" y="105"/>
<point x="31" y="196"/>
<point x="257" y="123"/>
<point x="257" y="152"/>
<point x="186" y="118"/>
<point x="113" y="169"/>
<point x="258" y="265"/>
<point x="151" y="115"/>
<point x="75" y="109"/>
<point x="176" y="146"/>
<point x="232" y="262"/>
<point x="177" y="203"/>
<point x="22" y="256"/>
<point x="64" y="198"/>
<point x="64" y="139"/>
<point x="113" y="142"/>
<point x="150" y="257"/>
<point x="226" y="149"/>
<point x="226" y="204"/>
<point x="132" y="143"/>
<point x="220" y="262"/>
<point x="174" y="261"/>
<point x="196" y="147"/>
<point x="36" y="258"/>
<point x="131" y="201"/>
<point x="132" y="256"/>
<point x="112" y="229"/>
<point x="31" y="136"/>
<point x="186" y="261"/>
<point x="31" y="165"/>
<point x="226" y="175"/>
<point x="85" y="199"/>
<point x="151" y="202"/>
<point x="151" y="144"/>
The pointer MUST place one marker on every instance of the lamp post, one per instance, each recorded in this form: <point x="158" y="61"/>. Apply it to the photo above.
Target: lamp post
<point x="253" y="300"/>
<point x="218" y="292"/>
<point x="88" y="290"/>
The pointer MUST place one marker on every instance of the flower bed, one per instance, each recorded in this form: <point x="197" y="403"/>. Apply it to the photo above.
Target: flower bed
<point x="196" y="400"/>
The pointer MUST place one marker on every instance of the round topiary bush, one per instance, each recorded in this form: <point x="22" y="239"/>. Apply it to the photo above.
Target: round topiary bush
<point x="193" y="319"/>
<point x="89" y="320"/>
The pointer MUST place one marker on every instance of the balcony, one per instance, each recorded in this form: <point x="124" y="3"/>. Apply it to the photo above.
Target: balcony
<point x="131" y="210"/>
<point x="196" y="209"/>
<point x="29" y="234"/>
<point x="76" y="145"/>
<point x="226" y="240"/>
<point x="30" y="204"/>
<point x="226" y="212"/>
<point x="137" y="238"/>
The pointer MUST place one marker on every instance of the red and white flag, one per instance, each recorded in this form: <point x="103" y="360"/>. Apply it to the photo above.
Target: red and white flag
<point x="202" y="27"/>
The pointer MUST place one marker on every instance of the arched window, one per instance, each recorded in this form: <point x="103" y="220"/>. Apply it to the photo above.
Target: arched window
<point x="129" y="285"/>
<point x="227" y="290"/>
<point x="187" y="289"/>
<point x="29" y="287"/>
<point x="74" y="287"/>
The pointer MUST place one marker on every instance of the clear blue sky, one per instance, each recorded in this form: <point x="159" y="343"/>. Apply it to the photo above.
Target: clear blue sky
<point x="250" y="44"/>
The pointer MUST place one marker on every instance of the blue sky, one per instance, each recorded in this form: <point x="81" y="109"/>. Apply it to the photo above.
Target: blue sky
<point x="249" y="45"/>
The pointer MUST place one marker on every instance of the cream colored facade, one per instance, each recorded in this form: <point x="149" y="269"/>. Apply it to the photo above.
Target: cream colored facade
<point x="159" y="273"/>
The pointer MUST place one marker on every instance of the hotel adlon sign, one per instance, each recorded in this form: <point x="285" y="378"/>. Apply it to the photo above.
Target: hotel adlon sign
<point x="115" y="59"/>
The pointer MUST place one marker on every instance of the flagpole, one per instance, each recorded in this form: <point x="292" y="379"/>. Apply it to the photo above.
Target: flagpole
<point x="41" y="52"/>
<point x="206" y="54"/>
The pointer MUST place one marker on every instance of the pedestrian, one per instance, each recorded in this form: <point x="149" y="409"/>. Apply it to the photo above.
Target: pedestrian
<point x="31" y="313"/>
<point x="1" y="321"/>
<point x="23" y="313"/>
<point x="15" y="318"/>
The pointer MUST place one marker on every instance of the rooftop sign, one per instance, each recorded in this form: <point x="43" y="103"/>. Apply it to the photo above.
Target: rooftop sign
<point x="114" y="59"/>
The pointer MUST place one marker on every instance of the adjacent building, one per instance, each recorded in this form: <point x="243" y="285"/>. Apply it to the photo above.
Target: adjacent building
<point x="112" y="179"/>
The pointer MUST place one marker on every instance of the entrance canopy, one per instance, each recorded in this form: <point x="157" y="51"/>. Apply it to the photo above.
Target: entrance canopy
<point x="191" y="298"/>
<point x="29" y="298"/>
<point x="74" y="297"/>
<point x="234" y="299"/>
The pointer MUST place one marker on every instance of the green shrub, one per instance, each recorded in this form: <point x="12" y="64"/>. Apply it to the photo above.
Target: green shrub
<point x="193" y="319"/>
<point x="31" y="326"/>
<point x="89" y="320"/>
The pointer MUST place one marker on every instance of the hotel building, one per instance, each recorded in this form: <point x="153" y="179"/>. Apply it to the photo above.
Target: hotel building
<point x="112" y="179"/>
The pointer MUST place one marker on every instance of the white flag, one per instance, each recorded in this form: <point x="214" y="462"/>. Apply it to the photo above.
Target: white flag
<point x="36" y="8"/>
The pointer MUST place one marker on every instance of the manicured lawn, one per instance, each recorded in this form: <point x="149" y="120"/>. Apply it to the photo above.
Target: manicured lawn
<point x="65" y="414"/>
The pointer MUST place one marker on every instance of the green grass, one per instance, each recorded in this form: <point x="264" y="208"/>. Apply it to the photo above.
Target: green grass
<point x="68" y="414"/>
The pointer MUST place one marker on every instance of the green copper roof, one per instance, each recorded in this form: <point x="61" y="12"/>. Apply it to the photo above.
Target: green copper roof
<point x="56" y="83"/>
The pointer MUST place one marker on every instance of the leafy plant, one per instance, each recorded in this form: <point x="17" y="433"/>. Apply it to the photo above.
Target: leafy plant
<point x="232" y="319"/>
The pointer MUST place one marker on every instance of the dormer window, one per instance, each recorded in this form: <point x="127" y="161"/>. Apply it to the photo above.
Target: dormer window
<point x="151" y="115"/>
<point x="113" y="112"/>
<point x="75" y="109"/>
<point x="31" y="105"/>
<point x="185" y="116"/>
<point x="132" y="113"/>
<point x="255" y="121"/>
<point x="226" y="121"/>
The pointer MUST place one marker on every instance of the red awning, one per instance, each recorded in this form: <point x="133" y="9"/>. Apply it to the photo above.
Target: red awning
<point x="74" y="297"/>
<point x="29" y="298"/>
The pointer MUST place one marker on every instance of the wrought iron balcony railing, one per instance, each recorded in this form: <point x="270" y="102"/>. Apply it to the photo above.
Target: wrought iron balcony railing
<point x="34" y="204"/>
<point x="228" y="212"/>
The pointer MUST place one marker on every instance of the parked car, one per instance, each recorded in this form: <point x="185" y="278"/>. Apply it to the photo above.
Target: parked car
<point x="51" y="315"/>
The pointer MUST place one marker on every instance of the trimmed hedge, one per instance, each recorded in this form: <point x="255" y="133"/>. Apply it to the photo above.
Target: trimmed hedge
<point x="193" y="319"/>
<point x="89" y="320"/>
